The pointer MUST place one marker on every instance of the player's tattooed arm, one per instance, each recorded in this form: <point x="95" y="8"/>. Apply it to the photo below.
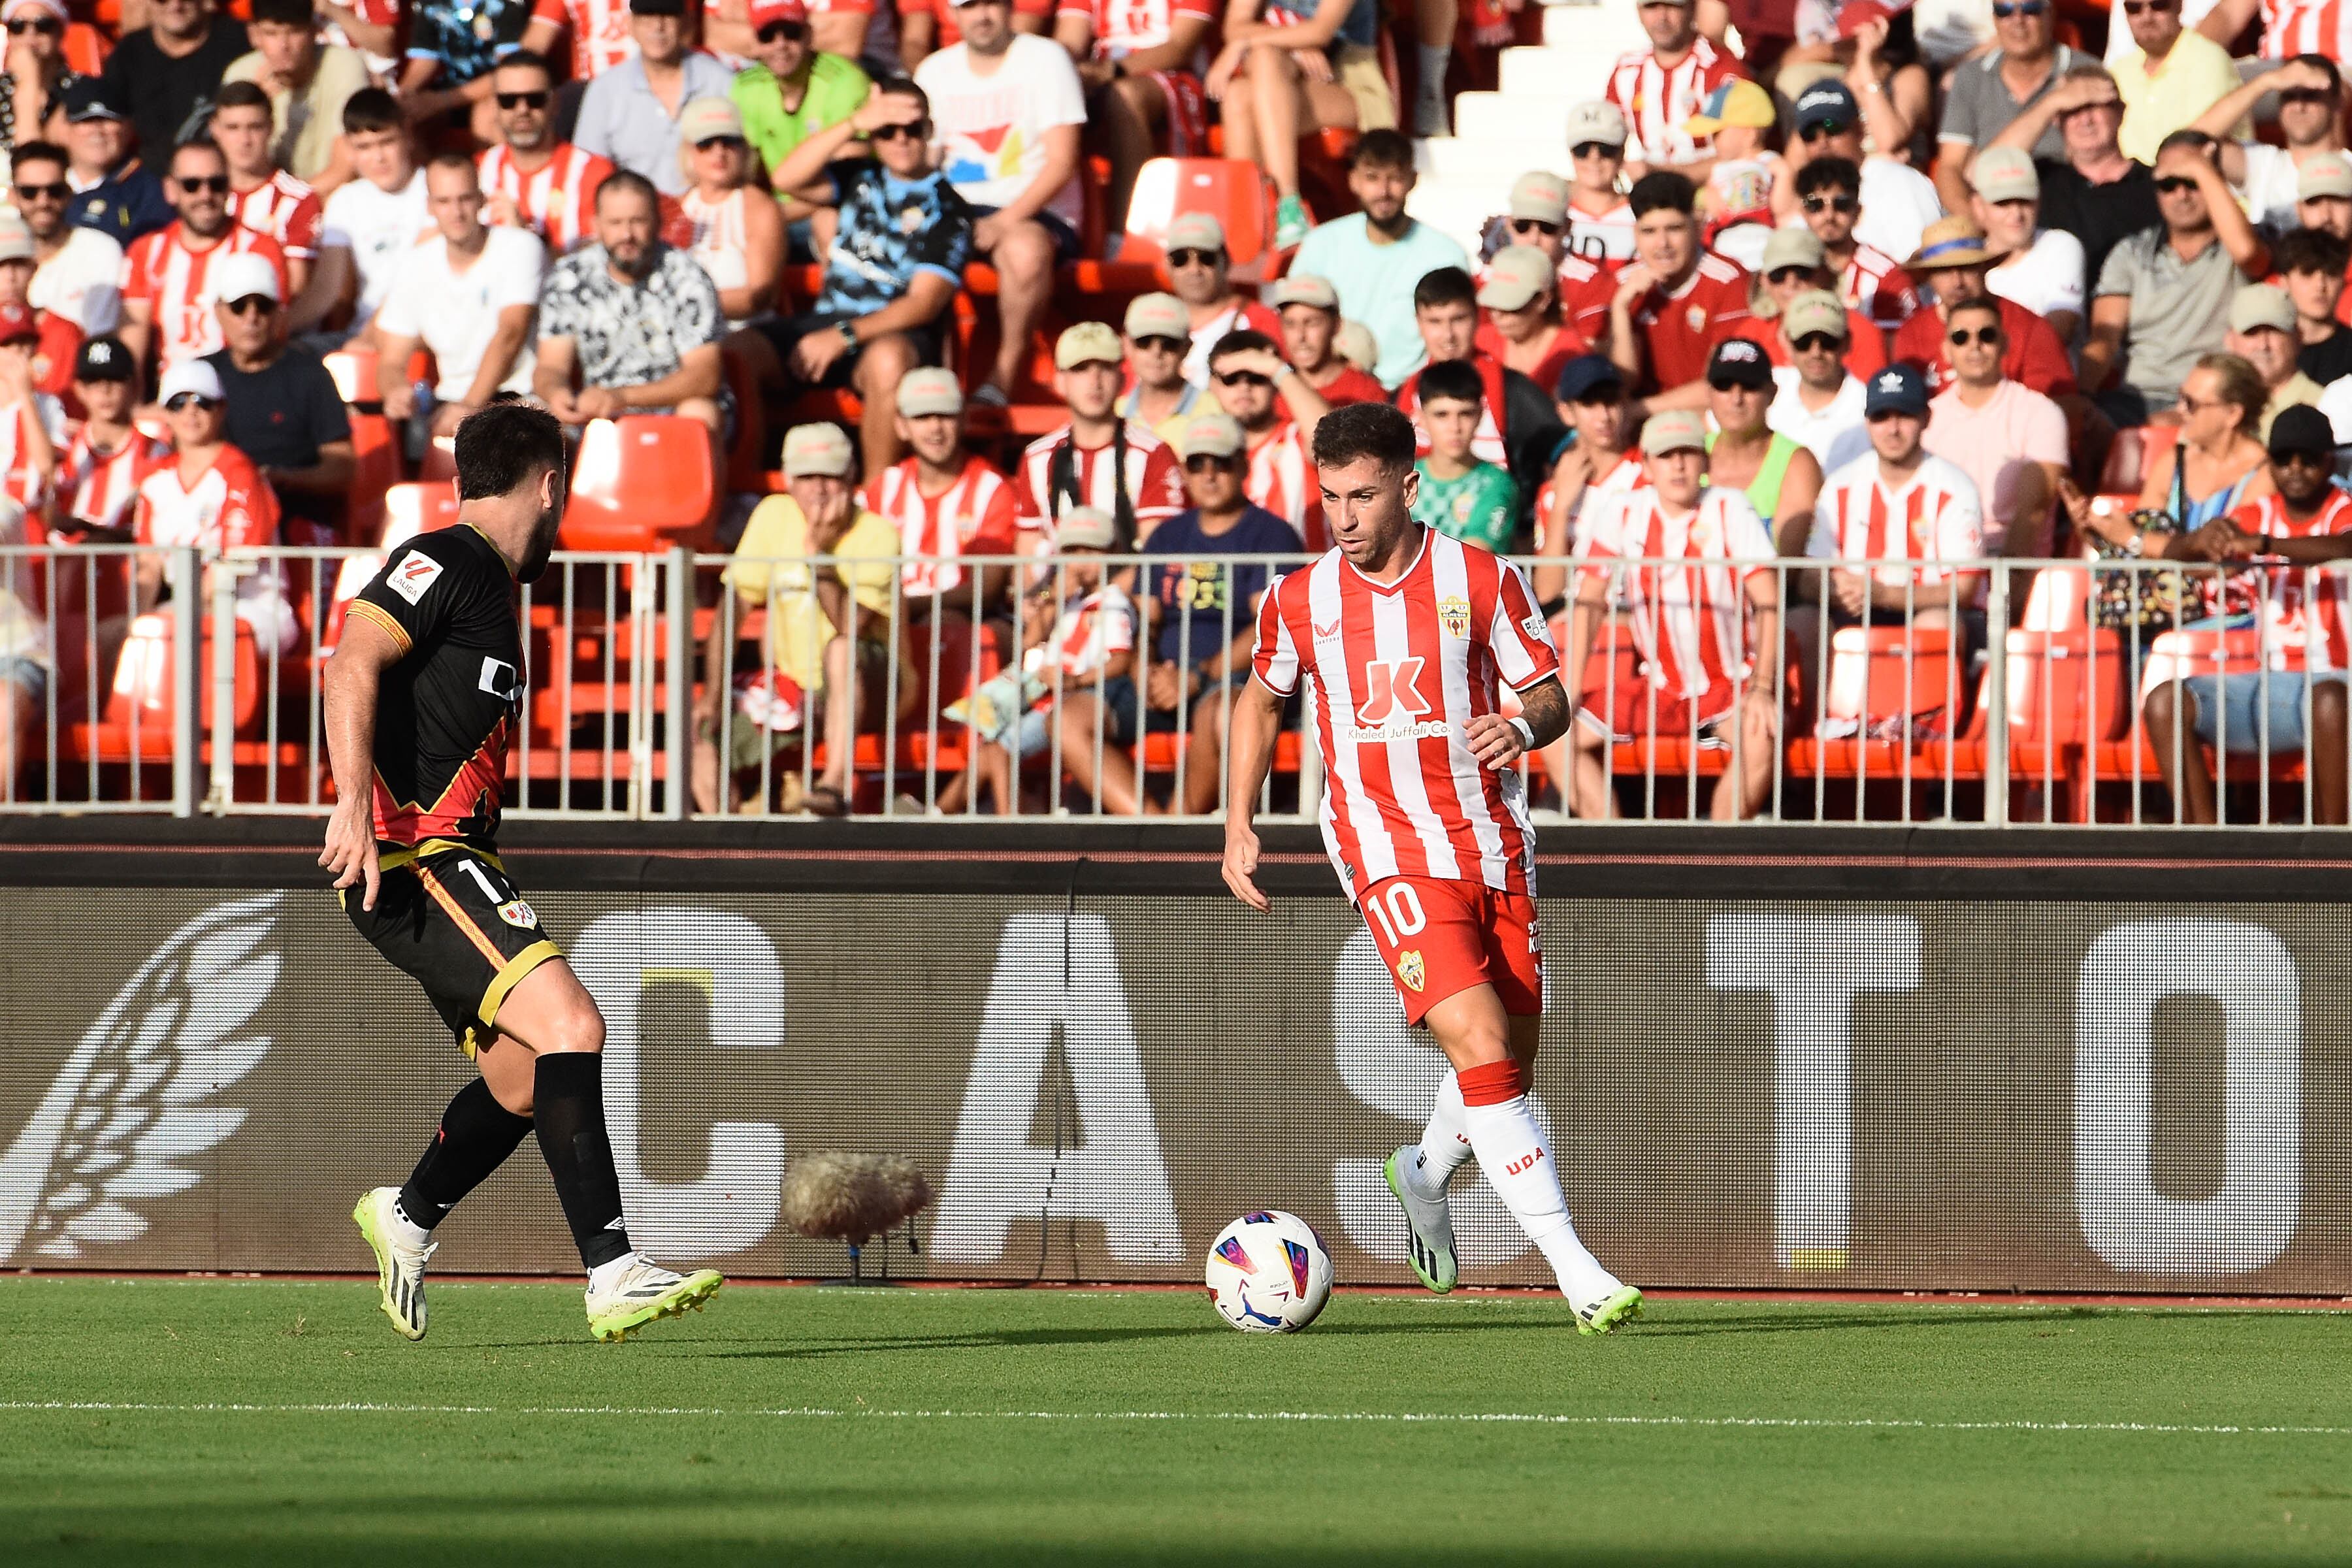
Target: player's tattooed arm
<point x="1498" y="742"/>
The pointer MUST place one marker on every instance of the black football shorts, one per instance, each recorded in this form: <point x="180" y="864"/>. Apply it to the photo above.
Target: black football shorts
<point x="452" y="922"/>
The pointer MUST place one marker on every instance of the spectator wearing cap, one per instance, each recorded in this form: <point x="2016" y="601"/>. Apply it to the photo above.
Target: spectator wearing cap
<point x="1272" y="97"/>
<point x="1535" y="214"/>
<point x="470" y="294"/>
<point x="36" y="78"/>
<point x="2163" y="297"/>
<point x="371" y="222"/>
<point x="792" y="88"/>
<point x="1897" y="201"/>
<point x="453" y="47"/>
<point x="60" y="339"/>
<point x="1459" y="495"/>
<point x="284" y="413"/>
<point x="211" y="497"/>
<point x="1516" y="429"/>
<point x="1200" y="608"/>
<point x="630" y="113"/>
<point x="100" y="474"/>
<point x="160" y="72"/>
<point x="905" y="238"/>
<point x="2168" y="78"/>
<point x="167" y="287"/>
<point x="309" y="83"/>
<point x="1277" y="412"/>
<point x="629" y="325"/>
<point x="1828" y="199"/>
<point x="113" y="192"/>
<point x="1373" y="258"/>
<point x="2040" y="268"/>
<point x="1522" y="328"/>
<point x="1952" y="263"/>
<point x="32" y="422"/>
<point x="1599" y="219"/>
<point x="1136" y="63"/>
<point x="77" y="270"/>
<point x="1657" y="90"/>
<point x="1198" y="273"/>
<point x="534" y="179"/>
<point x="2093" y="191"/>
<point x="1009" y="110"/>
<point x="823" y="570"/>
<point x="1598" y="462"/>
<point x="1675" y="301"/>
<point x="2322" y="191"/>
<point x="2007" y="438"/>
<point x="2263" y="333"/>
<point x="1782" y="478"/>
<point x="1795" y="263"/>
<point x="261" y="196"/>
<point x="1820" y="400"/>
<point x="1708" y="639"/>
<point x="2311" y="265"/>
<point x="1354" y="342"/>
<point x="1309" y="309"/>
<point x="946" y="502"/>
<point x="1982" y="96"/>
<point x="739" y="230"/>
<point x="2310" y="94"/>
<point x="1098" y="459"/>
<point x="1159" y="336"/>
<point x="1735" y="206"/>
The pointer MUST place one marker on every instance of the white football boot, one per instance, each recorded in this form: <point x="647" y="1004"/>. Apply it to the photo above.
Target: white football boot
<point x="1429" y="1223"/>
<point x="400" y="1267"/>
<point x="641" y="1290"/>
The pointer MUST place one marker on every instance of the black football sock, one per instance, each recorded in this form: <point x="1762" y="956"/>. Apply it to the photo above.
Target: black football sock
<point x="475" y="1136"/>
<point x="569" y="1091"/>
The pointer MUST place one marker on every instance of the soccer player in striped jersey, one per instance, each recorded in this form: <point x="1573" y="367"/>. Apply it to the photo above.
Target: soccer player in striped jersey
<point x="1405" y="639"/>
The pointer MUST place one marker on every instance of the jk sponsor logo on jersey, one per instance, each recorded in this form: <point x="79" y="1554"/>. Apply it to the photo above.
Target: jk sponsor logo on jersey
<point x="414" y="576"/>
<point x="1393" y="706"/>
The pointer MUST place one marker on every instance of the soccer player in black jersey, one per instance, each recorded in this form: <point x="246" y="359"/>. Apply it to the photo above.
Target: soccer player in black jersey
<point x="422" y="697"/>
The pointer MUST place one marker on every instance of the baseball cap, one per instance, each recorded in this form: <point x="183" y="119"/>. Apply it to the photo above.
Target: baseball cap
<point x="191" y="375"/>
<point x="1741" y="362"/>
<point x="53" y="9"/>
<point x="242" y="276"/>
<point x="1596" y="119"/>
<point x="1354" y="343"/>
<point x="2259" y="305"/>
<point x="1897" y="389"/>
<point x="1856" y="14"/>
<point x="705" y="118"/>
<point x="1085" y="343"/>
<point x="2328" y="174"/>
<point x="86" y="100"/>
<point x="2005" y="175"/>
<point x="813" y="449"/>
<point x="1581" y="377"/>
<point x="1815" y="310"/>
<point x="1795" y="246"/>
<point x="1955" y="241"/>
<point x="1195" y="231"/>
<point x="1515" y="278"/>
<point x="16" y="322"/>
<point x="15" y="237"/>
<point x="2302" y="428"/>
<point x="1676" y="430"/>
<point x="1735" y="102"/>
<point x="927" y="389"/>
<point x="1539" y="194"/>
<point x="1825" y="100"/>
<point x="1085" y="528"/>
<point x="766" y="11"/>
<point x="1211" y="436"/>
<point x="1306" y="289"/>
<point x="104" y="359"/>
<point x="1159" y="316"/>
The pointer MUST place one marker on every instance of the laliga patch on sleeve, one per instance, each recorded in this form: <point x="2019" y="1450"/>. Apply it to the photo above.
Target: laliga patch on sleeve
<point x="414" y="576"/>
<point x="1534" y="626"/>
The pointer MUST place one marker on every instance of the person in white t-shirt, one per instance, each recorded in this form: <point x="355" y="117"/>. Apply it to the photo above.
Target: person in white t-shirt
<point x="2040" y="268"/>
<point x="1008" y="107"/>
<point x="371" y="222"/>
<point x="2310" y="116"/>
<point x="1819" y="404"/>
<point x="78" y="273"/>
<point x="468" y="294"/>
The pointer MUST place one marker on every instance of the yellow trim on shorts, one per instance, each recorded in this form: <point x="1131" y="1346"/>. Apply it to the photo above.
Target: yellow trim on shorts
<point x="393" y="860"/>
<point x="507" y="978"/>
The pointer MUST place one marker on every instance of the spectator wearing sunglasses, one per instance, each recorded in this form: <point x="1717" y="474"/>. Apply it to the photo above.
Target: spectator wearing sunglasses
<point x="210" y="496"/>
<point x="738" y="229"/>
<point x="261" y="196"/>
<point x="1795" y="263"/>
<point x="533" y="180"/>
<point x="2007" y="438"/>
<point x="309" y="83"/>
<point x="168" y="290"/>
<point x="2040" y="268"/>
<point x="1895" y="200"/>
<point x="78" y="271"/>
<point x="1599" y="219"/>
<point x="1780" y="477"/>
<point x="1198" y="275"/>
<point x="1309" y="309"/>
<point x="1658" y="89"/>
<point x="113" y="191"/>
<point x="2163" y="297"/>
<point x="630" y="113"/>
<point x="161" y="72"/>
<point x="469" y="292"/>
<point x="1277" y="412"/>
<point x="284" y="413"/>
<point x="1829" y="197"/>
<point x="2093" y="191"/>
<point x="790" y="91"/>
<point x="1983" y="96"/>
<point x="1819" y="400"/>
<point x="453" y="47"/>
<point x="1159" y="333"/>
<point x="1538" y="219"/>
<point x="1675" y="301"/>
<point x="2168" y="78"/>
<point x="36" y="78"/>
<point x="2310" y="116"/>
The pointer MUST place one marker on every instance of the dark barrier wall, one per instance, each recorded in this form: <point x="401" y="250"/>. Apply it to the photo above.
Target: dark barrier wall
<point x="1990" y="1093"/>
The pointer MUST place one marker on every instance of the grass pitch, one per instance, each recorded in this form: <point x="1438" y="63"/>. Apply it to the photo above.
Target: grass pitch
<point x="255" y="1422"/>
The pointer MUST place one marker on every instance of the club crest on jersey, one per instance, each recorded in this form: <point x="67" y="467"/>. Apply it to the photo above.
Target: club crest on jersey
<point x="1411" y="971"/>
<point x="413" y="576"/>
<point x="515" y="913"/>
<point x="1696" y="317"/>
<point x="1453" y="616"/>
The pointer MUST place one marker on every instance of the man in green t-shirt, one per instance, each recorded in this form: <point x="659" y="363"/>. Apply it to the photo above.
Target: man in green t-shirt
<point x="793" y="93"/>
<point x="1460" y="496"/>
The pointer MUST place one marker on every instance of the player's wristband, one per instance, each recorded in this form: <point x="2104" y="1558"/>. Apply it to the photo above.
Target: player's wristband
<point x="1527" y="735"/>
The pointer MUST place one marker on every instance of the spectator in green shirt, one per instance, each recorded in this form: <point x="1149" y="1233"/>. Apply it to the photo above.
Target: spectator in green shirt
<point x="1460" y="496"/>
<point x="791" y="92"/>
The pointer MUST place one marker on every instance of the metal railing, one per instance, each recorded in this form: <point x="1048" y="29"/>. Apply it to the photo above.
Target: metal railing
<point x="676" y="685"/>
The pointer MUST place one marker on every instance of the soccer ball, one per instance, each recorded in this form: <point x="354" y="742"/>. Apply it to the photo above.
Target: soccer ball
<point x="1269" y="1274"/>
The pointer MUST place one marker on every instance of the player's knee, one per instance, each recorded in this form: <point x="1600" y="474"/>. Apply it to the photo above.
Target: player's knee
<point x="575" y="1031"/>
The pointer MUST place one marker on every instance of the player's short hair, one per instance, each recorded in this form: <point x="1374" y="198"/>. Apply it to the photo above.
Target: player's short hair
<point x="302" y="14"/>
<point x="621" y="180"/>
<point x="526" y="59"/>
<point x="2322" y="63"/>
<point x="243" y="95"/>
<point x="1246" y="339"/>
<point x="2296" y="250"/>
<point x="453" y="159"/>
<point x="1988" y="304"/>
<point x="504" y="445"/>
<point x="39" y="153"/>
<point x="201" y="145"/>
<point x="1382" y="149"/>
<point x="1445" y="286"/>
<point x="1662" y="190"/>
<point x="1375" y="430"/>
<point x="907" y="87"/>
<point x="1831" y="174"/>
<point x="1455" y="379"/>
<point x="2188" y="136"/>
<point x="369" y="111"/>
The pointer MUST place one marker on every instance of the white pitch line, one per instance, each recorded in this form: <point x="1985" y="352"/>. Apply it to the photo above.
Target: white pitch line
<point x="819" y="1413"/>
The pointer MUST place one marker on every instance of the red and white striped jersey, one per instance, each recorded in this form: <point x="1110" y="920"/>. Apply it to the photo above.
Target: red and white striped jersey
<point x="229" y="505"/>
<point x="1874" y="284"/>
<point x="1123" y="27"/>
<point x="285" y="209"/>
<point x="557" y="200"/>
<point x="1243" y="315"/>
<point x="1282" y="479"/>
<point x="2283" y="592"/>
<point x="1398" y="670"/>
<point x="974" y="516"/>
<point x="22" y="482"/>
<point x="1936" y="517"/>
<point x="99" y="488"/>
<point x="1624" y="475"/>
<point x="162" y="272"/>
<point x="1601" y="236"/>
<point x="1689" y="622"/>
<point x="2292" y="28"/>
<point x="599" y="32"/>
<point x="1091" y="628"/>
<point x="1154" y="480"/>
<point x="1656" y="100"/>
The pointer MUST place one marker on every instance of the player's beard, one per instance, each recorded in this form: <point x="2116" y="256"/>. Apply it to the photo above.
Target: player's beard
<point x="543" y="545"/>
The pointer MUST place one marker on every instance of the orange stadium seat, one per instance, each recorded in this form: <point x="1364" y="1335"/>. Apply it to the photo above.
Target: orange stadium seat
<point x="141" y="708"/>
<point x="645" y="481"/>
<point x="375" y="453"/>
<point x="1237" y="194"/>
<point x="354" y="373"/>
<point x="1879" y="673"/>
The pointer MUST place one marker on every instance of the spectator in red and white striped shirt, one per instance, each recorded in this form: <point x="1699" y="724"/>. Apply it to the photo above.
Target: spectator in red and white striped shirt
<point x="98" y="478"/>
<point x="1098" y="459"/>
<point x="1660" y="88"/>
<point x="532" y="180"/>
<point x="167" y="307"/>
<point x="945" y="500"/>
<point x="32" y="422"/>
<point x="1246" y="373"/>
<point x="1900" y="504"/>
<point x="261" y="196"/>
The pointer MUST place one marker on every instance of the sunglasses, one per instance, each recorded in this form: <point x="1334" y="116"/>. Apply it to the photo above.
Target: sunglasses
<point x="1960" y="337"/>
<point x="2172" y="185"/>
<point x="1165" y="345"/>
<point x="1244" y="378"/>
<point x="1788" y="275"/>
<point x="2020" y="8"/>
<point x="188" y="400"/>
<point x="1534" y="225"/>
<point x="217" y="184"/>
<point x="1206" y="464"/>
<point x="918" y="130"/>
<point x="1720" y="384"/>
<point x="2142" y="7"/>
<point x="55" y="191"/>
<point x="2314" y="460"/>
<point x="1597" y="150"/>
<point x="784" y="33"/>
<point x="1195" y="258"/>
<point x="1818" y="342"/>
<point x="251" y="305"/>
<point x="2198" y="404"/>
<point x="47" y="25"/>
<point x="2306" y="95"/>
<point x="539" y="99"/>
<point x="1823" y="130"/>
<point x="1847" y="205"/>
<point x="730" y="142"/>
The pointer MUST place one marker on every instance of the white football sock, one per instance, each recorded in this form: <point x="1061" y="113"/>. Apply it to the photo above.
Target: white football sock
<point x="1511" y="1153"/>
<point x="407" y="1231"/>
<point x="1445" y="1143"/>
